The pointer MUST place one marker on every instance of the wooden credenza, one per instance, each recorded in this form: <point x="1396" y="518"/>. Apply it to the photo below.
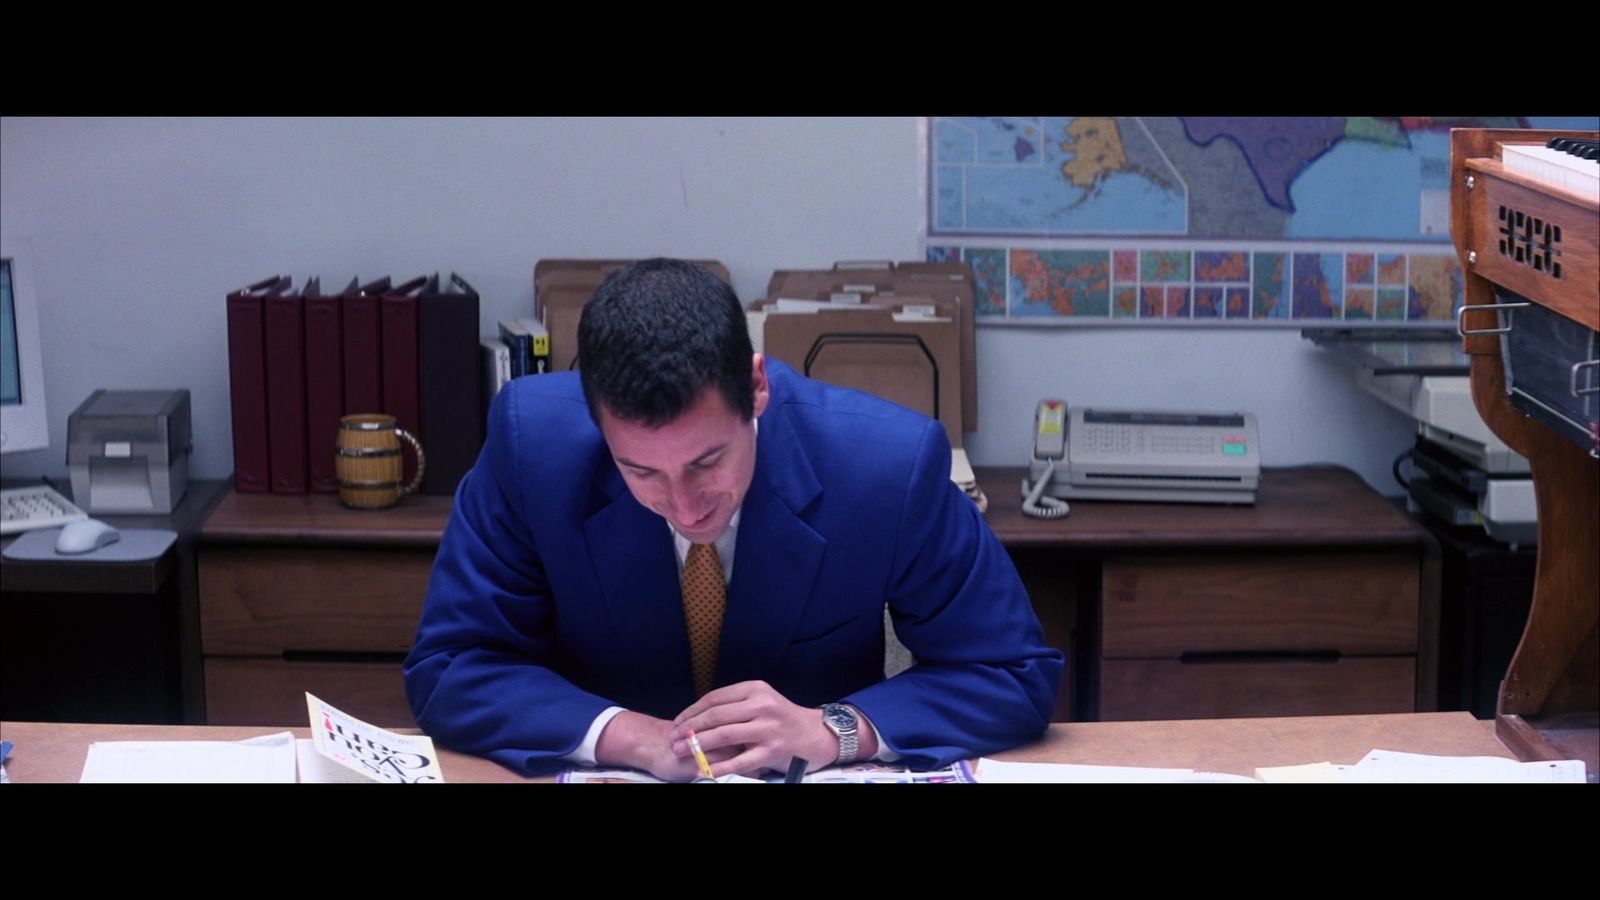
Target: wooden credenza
<point x="1320" y="599"/>
<point x="298" y="593"/>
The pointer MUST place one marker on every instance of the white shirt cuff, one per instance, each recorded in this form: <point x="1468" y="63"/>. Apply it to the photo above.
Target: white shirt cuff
<point x="583" y="754"/>
<point x="884" y="754"/>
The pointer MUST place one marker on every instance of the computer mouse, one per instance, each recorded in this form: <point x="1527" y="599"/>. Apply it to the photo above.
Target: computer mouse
<point x="81" y="537"/>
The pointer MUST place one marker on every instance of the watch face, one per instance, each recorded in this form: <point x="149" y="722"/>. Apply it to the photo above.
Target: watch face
<point x="839" y="716"/>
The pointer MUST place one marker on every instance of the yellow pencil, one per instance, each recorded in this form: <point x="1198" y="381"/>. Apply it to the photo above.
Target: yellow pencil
<point x="700" y="756"/>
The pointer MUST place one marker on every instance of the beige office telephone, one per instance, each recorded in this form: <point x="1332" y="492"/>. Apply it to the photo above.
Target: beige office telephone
<point x="1142" y="455"/>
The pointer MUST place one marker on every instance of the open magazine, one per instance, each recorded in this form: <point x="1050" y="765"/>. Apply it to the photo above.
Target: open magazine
<point x="857" y="773"/>
<point x="370" y="752"/>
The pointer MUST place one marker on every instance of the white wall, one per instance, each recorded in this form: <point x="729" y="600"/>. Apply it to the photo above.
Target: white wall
<point x="139" y="228"/>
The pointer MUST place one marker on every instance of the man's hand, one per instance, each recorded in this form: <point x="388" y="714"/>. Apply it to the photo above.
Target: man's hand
<point x="758" y="724"/>
<point x="638" y="741"/>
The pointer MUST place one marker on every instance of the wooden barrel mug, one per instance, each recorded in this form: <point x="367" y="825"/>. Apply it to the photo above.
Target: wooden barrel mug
<point x="368" y="464"/>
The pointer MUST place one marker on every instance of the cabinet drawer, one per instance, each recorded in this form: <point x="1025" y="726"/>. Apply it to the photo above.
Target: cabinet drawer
<point x="1170" y="689"/>
<point x="265" y="601"/>
<point x="1351" y="603"/>
<point x="273" y="691"/>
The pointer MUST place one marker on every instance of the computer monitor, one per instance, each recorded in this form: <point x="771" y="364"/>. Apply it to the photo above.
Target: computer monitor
<point x="23" y="422"/>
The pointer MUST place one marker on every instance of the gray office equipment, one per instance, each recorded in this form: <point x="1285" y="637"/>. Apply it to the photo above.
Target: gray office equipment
<point x="1146" y="456"/>
<point x="128" y="451"/>
<point x="1468" y="476"/>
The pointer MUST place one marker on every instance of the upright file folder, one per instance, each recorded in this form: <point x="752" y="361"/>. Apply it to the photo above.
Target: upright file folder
<point x="363" y="347"/>
<point x="324" y="386"/>
<point x="247" y="384"/>
<point x="401" y="384"/>
<point x="447" y="360"/>
<point x="286" y="390"/>
<point x="944" y="282"/>
<point x="909" y="353"/>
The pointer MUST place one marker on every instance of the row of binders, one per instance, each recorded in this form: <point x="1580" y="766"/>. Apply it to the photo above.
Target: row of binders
<point x="299" y="359"/>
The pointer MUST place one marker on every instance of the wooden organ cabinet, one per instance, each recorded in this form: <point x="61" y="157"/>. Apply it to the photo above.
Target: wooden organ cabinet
<point x="1529" y="245"/>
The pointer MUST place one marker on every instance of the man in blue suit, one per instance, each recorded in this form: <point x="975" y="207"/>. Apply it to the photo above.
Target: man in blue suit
<point x="697" y="538"/>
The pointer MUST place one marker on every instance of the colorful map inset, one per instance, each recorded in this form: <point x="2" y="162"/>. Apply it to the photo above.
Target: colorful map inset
<point x="1318" y="282"/>
<point x="989" y="271"/>
<point x="1221" y="266"/>
<point x="1358" y="268"/>
<point x="1060" y="283"/>
<point x="1124" y="302"/>
<point x="1269" y="287"/>
<point x="1436" y="283"/>
<point x="1163" y="265"/>
<point x="1358" y="302"/>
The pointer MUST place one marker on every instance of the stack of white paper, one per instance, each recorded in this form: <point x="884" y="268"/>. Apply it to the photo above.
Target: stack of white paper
<point x="267" y="759"/>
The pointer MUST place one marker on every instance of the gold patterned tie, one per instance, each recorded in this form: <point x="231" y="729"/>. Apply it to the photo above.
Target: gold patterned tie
<point x="705" y="596"/>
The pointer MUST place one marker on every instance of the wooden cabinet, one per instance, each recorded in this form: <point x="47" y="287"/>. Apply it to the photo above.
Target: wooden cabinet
<point x="300" y="594"/>
<point x="1321" y="599"/>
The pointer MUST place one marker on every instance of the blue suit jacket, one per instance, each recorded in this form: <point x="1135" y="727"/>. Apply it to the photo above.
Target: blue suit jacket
<point x="555" y="594"/>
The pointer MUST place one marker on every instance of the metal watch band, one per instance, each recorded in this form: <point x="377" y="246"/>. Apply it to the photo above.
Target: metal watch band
<point x="849" y="745"/>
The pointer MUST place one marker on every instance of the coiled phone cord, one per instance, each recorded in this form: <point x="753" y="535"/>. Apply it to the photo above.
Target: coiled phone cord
<point x="1036" y="504"/>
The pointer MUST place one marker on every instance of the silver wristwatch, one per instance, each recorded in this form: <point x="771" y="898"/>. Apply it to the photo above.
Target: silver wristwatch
<point x="845" y="724"/>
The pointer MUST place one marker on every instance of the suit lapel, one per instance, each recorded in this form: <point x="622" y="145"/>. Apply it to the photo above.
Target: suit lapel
<point x="631" y="549"/>
<point x="778" y="556"/>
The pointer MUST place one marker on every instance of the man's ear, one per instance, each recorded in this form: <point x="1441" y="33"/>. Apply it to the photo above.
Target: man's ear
<point x="758" y="381"/>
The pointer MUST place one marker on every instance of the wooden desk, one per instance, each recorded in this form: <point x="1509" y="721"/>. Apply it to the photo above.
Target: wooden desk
<point x="1320" y="599"/>
<point x="55" y="752"/>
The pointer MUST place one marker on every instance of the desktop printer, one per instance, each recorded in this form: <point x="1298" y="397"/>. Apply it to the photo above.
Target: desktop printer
<point x="128" y="451"/>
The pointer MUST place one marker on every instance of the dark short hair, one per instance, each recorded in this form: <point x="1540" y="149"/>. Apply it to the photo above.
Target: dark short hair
<point x="655" y="335"/>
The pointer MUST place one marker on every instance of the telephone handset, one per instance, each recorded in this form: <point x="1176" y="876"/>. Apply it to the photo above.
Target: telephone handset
<point x="1049" y="445"/>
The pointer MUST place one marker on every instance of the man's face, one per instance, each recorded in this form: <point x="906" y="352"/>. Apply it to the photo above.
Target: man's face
<point x="693" y="471"/>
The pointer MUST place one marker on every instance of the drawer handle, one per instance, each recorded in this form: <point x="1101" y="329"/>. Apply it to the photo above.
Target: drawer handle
<point x="1217" y="657"/>
<point x="336" y="656"/>
<point x="1461" y="315"/>
<point x="1576" y="368"/>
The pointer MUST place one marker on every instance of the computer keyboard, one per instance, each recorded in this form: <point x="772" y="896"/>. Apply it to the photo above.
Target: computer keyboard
<point x="38" y="506"/>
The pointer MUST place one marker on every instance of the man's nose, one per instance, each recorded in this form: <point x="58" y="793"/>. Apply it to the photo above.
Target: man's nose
<point x="685" y="497"/>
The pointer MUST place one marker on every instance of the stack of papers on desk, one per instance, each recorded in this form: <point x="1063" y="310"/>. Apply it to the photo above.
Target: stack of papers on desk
<point x="1394" y="767"/>
<point x="857" y="773"/>
<point x="343" y="749"/>
<point x="263" y="760"/>
<point x="993" y="771"/>
<point x="1377" y="767"/>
